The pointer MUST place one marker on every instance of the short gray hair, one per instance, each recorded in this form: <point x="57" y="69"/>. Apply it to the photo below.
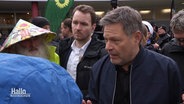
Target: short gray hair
<point x="177" y="22"/>
<point x="130" y="19"/>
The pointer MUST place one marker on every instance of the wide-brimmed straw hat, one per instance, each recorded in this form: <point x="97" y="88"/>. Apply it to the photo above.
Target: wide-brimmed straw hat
<point x="24" y="30"/>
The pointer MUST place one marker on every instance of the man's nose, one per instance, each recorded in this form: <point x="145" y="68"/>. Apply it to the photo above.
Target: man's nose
<point x="108" y="46"/>
<point x="32" y="43"/>
<point x="78" y="27"/>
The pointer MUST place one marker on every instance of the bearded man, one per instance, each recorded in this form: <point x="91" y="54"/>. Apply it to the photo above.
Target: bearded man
<point x="30" y="40"/>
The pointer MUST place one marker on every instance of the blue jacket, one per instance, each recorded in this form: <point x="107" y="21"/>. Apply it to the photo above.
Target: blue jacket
<point x="154" y="79"/>
<point x="33" y="80"/>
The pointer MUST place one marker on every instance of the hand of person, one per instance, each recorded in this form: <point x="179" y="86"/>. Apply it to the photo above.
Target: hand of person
<point x="182" y="99"/>
<point x="156" y="46"/>
<point x="86" y="102"/>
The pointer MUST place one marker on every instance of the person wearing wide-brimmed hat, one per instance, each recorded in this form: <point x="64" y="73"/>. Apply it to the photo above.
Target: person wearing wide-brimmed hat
<point x="28" y="39"/>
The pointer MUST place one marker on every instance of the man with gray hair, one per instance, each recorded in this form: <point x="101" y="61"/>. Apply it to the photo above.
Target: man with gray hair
<point x="175" y="48"/>
<point x="131" y="74"/>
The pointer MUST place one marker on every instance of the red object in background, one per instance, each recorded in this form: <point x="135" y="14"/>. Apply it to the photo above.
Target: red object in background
<point x="34" y="9"/>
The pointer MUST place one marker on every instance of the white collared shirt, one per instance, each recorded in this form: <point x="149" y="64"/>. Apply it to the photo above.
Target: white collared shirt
<point x="75" y="57"/>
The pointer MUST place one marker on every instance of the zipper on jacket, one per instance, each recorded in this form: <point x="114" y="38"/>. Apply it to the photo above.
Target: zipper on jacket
<point x="130" y="84"/>
<point x="114" y="88"/>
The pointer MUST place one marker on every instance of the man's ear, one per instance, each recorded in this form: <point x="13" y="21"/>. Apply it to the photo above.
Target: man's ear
<point x="94" y="26"/>
<point x="137" y="36"/>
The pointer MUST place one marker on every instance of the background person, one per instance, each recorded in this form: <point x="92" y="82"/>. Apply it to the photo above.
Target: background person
<point x="149" y="33"/>
<point x="154" y="36"/>
<point x="175" y="48"/>
<point x="80" y="52"/>
<point x="163" y="38"/>
<point x="66" y="29"/>
<point x="1" y="39"/>
<point x="41" y="22"/>
<point x="145" y="36"/>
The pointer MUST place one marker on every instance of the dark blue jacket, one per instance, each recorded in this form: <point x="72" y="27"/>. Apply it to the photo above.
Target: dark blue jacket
<point x="154" y="79"/>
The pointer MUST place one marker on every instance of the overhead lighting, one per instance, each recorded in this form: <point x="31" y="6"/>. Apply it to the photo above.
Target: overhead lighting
<point x="166" y="10"/>
<point x="99" y="13"/>
<point x="144" y="11"/>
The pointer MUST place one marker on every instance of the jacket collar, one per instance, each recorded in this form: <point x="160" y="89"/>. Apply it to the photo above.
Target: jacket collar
<point x="139" y="57"/>
<point x="93" y="48"/>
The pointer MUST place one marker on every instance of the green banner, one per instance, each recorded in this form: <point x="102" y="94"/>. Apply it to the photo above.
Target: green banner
<point x="56" y="11"/>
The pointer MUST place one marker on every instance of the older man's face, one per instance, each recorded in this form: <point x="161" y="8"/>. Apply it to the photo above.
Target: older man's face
<point x="122" y="48"/>
<point x="33" y="47"/>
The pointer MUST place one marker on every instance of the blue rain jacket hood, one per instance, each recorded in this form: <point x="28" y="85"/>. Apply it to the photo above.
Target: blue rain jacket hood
<point x="33" y="80"/>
